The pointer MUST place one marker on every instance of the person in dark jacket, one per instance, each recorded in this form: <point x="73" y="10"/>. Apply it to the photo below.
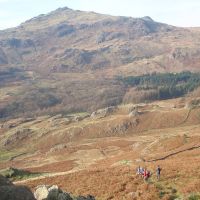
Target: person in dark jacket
<point x="158" y="170"/>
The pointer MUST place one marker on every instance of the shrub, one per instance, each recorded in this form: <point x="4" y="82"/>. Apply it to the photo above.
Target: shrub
<point x="194" y="197"/>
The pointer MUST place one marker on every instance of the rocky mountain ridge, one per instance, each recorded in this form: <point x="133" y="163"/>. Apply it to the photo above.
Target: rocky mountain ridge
<point x="70" y="59"/>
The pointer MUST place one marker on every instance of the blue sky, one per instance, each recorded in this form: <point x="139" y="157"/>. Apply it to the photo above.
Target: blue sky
<point x="175" y="12"/>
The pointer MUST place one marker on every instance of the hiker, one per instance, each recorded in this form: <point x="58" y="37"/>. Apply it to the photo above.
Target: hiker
<point x="146" y="174"/>
<point x="158" y="170"/>
<point x="139" y="171"/>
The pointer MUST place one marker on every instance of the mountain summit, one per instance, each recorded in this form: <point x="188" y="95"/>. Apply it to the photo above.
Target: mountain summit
<point x="73" y="58"/>
<point x="69" y="40"/>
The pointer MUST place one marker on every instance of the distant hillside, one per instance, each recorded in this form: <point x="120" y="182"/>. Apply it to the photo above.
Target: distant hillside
<point x="68" y="60"/>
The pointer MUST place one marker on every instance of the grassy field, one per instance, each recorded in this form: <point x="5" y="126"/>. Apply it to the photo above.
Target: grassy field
<point x="7" y="155"/>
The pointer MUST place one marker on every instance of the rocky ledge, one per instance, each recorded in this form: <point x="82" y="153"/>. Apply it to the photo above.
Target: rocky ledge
<point x="9" y="191"/>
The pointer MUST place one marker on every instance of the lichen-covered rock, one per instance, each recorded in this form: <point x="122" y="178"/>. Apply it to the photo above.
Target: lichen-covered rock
<point x="41" y="192"/>
<point x="44" y="192"/>
<point x="47" y="192"/>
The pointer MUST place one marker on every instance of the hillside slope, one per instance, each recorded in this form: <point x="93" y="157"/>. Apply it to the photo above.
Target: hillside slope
<point x="103" y="150"/>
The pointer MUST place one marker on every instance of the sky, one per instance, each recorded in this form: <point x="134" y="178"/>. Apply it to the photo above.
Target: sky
<point x="184" y="13"/>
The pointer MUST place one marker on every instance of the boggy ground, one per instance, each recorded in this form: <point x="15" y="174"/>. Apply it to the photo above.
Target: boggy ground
<point x="98" y="155"/>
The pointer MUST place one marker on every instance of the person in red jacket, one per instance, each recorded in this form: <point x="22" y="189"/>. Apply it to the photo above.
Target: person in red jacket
<point x="146" y="174"/>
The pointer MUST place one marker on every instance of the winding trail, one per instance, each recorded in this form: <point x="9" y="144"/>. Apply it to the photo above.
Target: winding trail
<point x="187" y="116"/>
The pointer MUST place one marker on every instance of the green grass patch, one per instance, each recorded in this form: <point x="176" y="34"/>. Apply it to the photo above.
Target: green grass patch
<point x="162" y="194"/>
<point x="80" y="114"/>
<point x="194" y="196"/>
<point x="126" y="162"/>
<point x="18" y="174"/>
<point x="167" y="190"/>
<point x="7" y="155"/>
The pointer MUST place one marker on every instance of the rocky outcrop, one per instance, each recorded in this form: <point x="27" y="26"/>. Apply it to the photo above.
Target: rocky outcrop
<point x="58" y="147"/>
<point x="193" y="103"/>
<point x="134" y="113"/>
<point x="16" y="122"/>
<point x="8" y="191"/>
<point x="89" y="197"/>
<point x="186" y="53"/>
<point x="122" y="128"/>
<point x="4" y="181"/>
<point x="63" y="30"/>
<point x="44" y="192"/>
<point x="19" y="135"/>
<point x="103" y="112"/>
<point x="3" y="58"/>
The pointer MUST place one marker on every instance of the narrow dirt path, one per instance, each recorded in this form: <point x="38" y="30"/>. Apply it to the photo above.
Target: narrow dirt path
<point x="47" y="176"/>
<point x="187" y="116"/>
